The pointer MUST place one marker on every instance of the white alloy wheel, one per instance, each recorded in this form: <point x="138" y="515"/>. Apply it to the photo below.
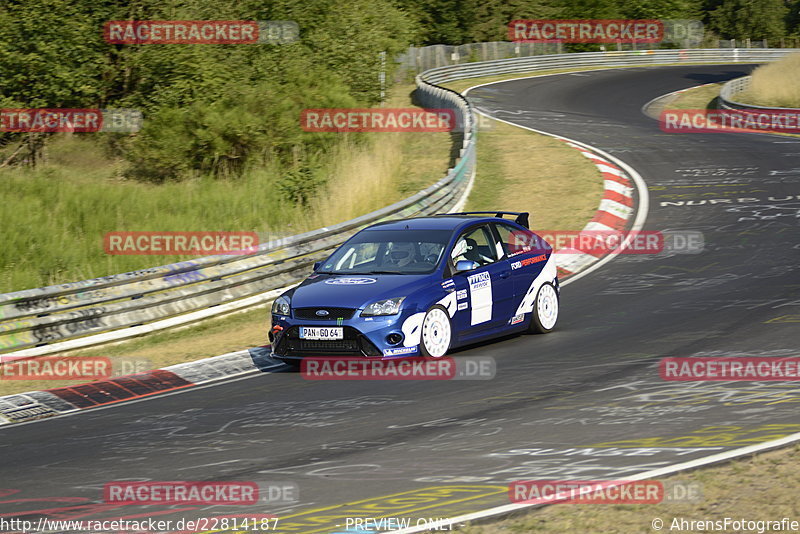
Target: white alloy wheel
<point x="545" y="310"/>
<point x="436" y="332"/>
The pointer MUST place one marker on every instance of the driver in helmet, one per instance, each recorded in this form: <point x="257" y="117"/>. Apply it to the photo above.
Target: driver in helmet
<point x="401" y="254"/>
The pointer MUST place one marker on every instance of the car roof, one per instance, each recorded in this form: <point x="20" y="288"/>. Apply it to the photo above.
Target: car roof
<point x="441" y="222"/>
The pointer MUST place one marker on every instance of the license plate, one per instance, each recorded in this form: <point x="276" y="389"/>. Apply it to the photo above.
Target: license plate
<point x="307" y="332"/>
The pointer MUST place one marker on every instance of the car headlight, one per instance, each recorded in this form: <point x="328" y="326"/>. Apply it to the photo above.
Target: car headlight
<point x="281" y="306"/>
<point x="383" y="307"/>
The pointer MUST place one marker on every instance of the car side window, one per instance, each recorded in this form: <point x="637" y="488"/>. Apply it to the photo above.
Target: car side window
<point x="476" y="244"/>
<point x="514" y="240"/>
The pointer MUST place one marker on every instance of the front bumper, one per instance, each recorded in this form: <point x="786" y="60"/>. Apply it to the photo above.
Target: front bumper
<point x="362" y="337"/>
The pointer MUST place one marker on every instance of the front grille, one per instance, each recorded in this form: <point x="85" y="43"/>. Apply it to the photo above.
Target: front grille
<point x="334" y="313"/>
<point x="353" y="344"/>
<point x="338" y="345"/>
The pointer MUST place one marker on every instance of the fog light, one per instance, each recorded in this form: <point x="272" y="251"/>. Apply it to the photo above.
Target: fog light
<point x="394" y="339"/>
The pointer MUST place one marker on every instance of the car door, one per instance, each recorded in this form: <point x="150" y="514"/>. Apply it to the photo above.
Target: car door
<point x="484" y="295"/>
<point x="526" y="254"/>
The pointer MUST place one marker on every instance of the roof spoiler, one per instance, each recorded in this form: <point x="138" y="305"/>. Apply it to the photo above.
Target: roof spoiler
<point x="521" y="217"/>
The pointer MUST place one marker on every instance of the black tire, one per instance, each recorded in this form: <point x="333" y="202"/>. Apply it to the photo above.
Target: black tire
<point x="545" y="310"/>
<point x="436" y="333"/>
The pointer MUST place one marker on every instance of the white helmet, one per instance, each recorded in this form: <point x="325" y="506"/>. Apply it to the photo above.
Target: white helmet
<point x="401" y="254"/>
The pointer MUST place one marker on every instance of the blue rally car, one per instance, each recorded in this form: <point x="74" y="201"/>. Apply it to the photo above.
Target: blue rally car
<point x="419" y="287"/>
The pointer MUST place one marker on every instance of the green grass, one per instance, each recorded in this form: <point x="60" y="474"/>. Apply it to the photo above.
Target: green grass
<point x="491" y="176"/>
<point x="703" y="97"/>
<point x="55" y="216"/>
<point x="520" y="170"/>
<point x="700" y="97"/>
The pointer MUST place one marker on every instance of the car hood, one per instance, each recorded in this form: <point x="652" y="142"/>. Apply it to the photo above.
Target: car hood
<point x="355" y="291"/>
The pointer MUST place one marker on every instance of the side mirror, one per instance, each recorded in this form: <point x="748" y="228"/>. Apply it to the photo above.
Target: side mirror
<point x="317" y="265"/>
<point x="466" y="265"/>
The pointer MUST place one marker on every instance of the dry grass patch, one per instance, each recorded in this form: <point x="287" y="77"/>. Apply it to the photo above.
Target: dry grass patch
<point x="393" y="166"/>
<point x="763" y="487"/>
<point x="363" y="179"/>
<point x="775" y="84"/>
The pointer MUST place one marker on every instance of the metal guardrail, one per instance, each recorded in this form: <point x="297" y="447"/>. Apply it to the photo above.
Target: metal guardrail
<point x="44" y="320"/>
<point x="730" y="91"/>
<point x="628" y="58"/>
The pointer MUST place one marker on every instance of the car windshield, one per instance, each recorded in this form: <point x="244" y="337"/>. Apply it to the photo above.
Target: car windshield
<point x="389" y="252"/>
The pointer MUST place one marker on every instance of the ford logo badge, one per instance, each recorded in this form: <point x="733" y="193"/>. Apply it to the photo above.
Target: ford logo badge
<point x="322" y="313"/>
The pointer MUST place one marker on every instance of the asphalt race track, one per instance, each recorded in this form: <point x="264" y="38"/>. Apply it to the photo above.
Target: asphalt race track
<point x="584" y="402"/>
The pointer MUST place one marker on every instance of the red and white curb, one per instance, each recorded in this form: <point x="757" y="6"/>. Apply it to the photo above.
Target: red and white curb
<point x="34" y="405"/>
<point x="613" y="215"/>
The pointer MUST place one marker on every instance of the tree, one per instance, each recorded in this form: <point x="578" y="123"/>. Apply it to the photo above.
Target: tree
<point x="442" y="21"/>
<point x="492" y="17"/>
<point x="750" y="19"/>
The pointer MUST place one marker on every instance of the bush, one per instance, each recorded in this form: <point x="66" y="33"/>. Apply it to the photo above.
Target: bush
<point x="248" y="126"/>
